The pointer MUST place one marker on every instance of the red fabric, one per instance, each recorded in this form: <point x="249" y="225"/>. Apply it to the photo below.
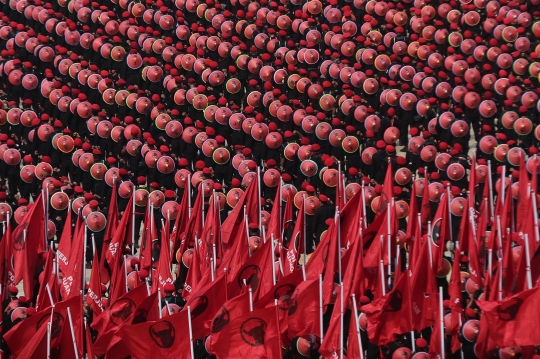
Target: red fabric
<point x="423" y="291"/>
<point x="205" y="303"/>
<point x="391" y="314"/>
<point x="296" y="244"/>
<point x="94" y="295"/>
<point x="253" y="335"/>
<point x="112" y="224"/>
<point x="163" y="274"/>
<point x="387" y="191"/>
<point x="28" y="243"/>
<point x="435" y="344"/>
<point x="230" y="310"/>
<point x="180" y="226"/>
<point x="6" y="253"/>
<point x="166" y="338"/>
<point x="440" y="232"/>
<point x="425" y="210"/>
<point x="49" y="279"/>
<point x="117" y="315"/>
<point x="514" y="321"/>
<point x="303" y="314"/>
<point x="122" y="236"/>
<point x="64" y="246"/>
<point x="72" y="283"/>
<point x="454" y="290"/>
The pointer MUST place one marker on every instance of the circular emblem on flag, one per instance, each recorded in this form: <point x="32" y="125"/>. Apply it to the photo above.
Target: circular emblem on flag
<point x="283" y="294"/>
<point x="509" y="309"/>
<point x="251" y="275"/>
<point x="198" y="305"/>
<point x="163" y="334"/>
<point x="221" y="320"/>
<point x="121" y="310"/>
<point x="57" y="324"/>
<point x="252" y="331"/>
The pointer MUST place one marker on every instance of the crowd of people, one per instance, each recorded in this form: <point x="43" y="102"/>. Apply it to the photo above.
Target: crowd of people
<point x="264" y="123"/>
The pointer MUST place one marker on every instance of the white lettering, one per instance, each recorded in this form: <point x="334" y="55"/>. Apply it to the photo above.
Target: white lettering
<point x="291" y="257"/>
<point x="62" y="257"/>
<point x="67" y="282"/>
<point x="95" y="298"/>
<point x="113" y="247"/>
<point x="416" y="309"/>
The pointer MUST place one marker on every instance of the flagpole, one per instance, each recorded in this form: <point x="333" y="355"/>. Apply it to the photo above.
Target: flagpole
<point x="279" y="204"/>
<point x="490" y="263"/>
<point x="321" y="323"/>
<point x="73" y="334"/>
<point x="50" y="294"/>
<point x="503" y="187"/>
<point x="364" y="205"/>
<point x="189" y="194"/>
<point x="381" y="269"/>
<point x="535" y="214"/>
<point x="337" y="223"/>
<point x="259" y="197"/>
<point x="499" y="235"/>
<point x="305" y="231"/>
<point x="490" y="189"/>
<point x="250" y="297"/>
<point x="356" y="319"/>
<point x="84" y="260"/>
<point x="133" y="225"/>
<point x="528" y="262"/>
<point x="46" y="219"/>
<point x="49" y="340"/>
<point x="449" y="216"/>
<point x="126" y="274"/>
<point x="190" y="332"/>
<point x="389" y="238"/>
<point x="202" y="208"/>
<point x="441" y="319"/>
<point x="247" y="230"/>
<point x="272" y="260"/>
<point x="341" y="319"/>
<point x="500" y="277"/>
<point x="159" y="303"/>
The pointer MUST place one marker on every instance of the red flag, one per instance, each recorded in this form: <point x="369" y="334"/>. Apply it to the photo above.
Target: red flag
<point x="36" y="348"/>
<point x="72" y="283"/>
<point x="508" y="275"/>
<point x="122" y="235"/>
<point x="6" y="255"/>
<point x="296" y="244"/>
<point x="23" y="333"/>
<point x="26" y="336"/>
<point x="378" y="248"/>
<point x="147" y="310"/>
<point x="256" y="272"/>
<point x="28" y="243"/>
<point x="49" y="279"/>
<point x="112" y="225"/>
<point x="423" y="291"/>
<point x="391" y="314"/>
<point x="64" y="245"/>
<point x="205" y="303"/>
<point x="352" y="261"/>
<point x="211" y="236"/>
<point x="435" y="344"/>
<point x="163" y="274"/>
<point x="412" y="222"/>
<point x="387" y="193"/>
<point x="454" y="290"/>
<point x="180" y="224"/>
<point x="230" y="310"/>
<point x="514" y="321"/>
<point x="148" y="237"/>
<point x="165" y="339"/>
<point x="253" y="335"/>
<point x="274" y="223"/>
<point x="425" y="210"/>
<point x="119" y="313"/>
<point x="89" y="343"/>
<point x="440" y="232"/>
<point x="524" y="196"/>
<point x="195" y="224"/>
<point x="231" y="226"/>
<point x="303" y="314"/>
<point x="94" y="295"/>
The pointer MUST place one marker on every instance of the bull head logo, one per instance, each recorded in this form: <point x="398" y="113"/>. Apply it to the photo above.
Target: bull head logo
<point x="252" y="331"/>
<point x="283" y="294"/>
<point x="251" y="275"/>
<point x="221" y="320"/>
<point x="121" y="310"/>
<point x="509" y="309"/>
<point x="395" y="302"/>
<point x="198" y="306"/>
<point x="163" y="334"/>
